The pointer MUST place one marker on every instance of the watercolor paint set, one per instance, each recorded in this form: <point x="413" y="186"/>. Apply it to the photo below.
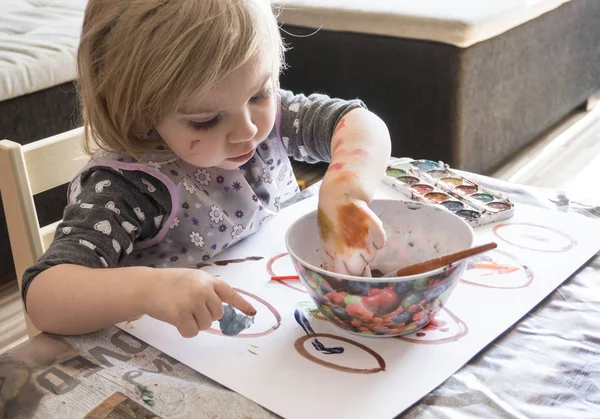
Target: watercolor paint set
<point x="436" y="183"/>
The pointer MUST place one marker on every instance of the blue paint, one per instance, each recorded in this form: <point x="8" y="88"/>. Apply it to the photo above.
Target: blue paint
<point x="304" y="323"/>
<point x="232" y="322"/>
<point x="425" y="164"/>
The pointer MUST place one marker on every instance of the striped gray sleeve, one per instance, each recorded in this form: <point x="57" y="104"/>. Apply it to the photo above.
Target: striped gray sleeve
<point x="306" y="124"/>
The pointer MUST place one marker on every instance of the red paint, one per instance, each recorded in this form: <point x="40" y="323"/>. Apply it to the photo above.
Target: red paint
<point x="272" y="274"/>
<point x="339" y="125"/>
<point x="462" y="327"/>
<point x="359" y="152"/>
<point x="285" y="278"/>
<point x="336" y="166"/>
<point x="338" y="145"/>
<point x="422" y="188"/>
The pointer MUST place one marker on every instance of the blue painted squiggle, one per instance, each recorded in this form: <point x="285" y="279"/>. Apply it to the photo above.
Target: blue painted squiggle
<point x="304" y="323"/>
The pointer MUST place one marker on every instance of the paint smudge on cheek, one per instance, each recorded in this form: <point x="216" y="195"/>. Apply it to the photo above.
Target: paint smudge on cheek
<point x="353" y="225"/>
<point x="336" y="167"/>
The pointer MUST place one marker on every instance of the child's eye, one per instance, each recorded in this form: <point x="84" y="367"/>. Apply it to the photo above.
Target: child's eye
<point x="204" y="125"/>
<point x="262" y="96"/>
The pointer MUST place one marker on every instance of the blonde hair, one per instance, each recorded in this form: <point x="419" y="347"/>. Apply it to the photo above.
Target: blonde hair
<point x="138" y="60"/>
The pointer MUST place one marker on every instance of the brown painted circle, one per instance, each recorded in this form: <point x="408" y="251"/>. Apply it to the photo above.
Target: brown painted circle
<point x="454" y="338"/>
<point x="299" y="345"/>
<point x="560" y="233"/>
<point x="271" y="273"/>
<point x="242" y="335"/>
<point x="528" y="274"/>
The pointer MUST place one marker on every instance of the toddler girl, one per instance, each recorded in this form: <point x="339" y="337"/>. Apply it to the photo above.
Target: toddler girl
<point x="190" y="136"/>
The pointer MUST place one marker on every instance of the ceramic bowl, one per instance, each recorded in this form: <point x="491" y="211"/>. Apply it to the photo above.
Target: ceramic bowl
<point x="395" y="306"/>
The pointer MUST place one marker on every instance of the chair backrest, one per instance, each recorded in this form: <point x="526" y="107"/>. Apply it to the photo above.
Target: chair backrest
<point x="26" y="171"/>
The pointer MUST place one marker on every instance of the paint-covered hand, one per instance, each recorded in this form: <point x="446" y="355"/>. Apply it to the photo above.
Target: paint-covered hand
<point x="190" y="299"/>
<point x="350" y="232"/>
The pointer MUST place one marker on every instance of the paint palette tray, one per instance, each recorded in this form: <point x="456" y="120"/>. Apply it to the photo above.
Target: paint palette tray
<point x="436" y="183"/>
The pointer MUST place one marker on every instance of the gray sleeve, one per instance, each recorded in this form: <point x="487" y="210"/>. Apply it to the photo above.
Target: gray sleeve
<point x="306" y="124"/>
<point x="114" y="210"/>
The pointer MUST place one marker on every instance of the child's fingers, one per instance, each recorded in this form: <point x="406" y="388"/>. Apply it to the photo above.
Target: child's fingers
<point x="355" y="265"/>
<point x="187" y="326"/>
<point x="215" y="306"/>
<point x="203" y="317"/>
<point x="230" y="296"/>
<point x="378" y="235"/>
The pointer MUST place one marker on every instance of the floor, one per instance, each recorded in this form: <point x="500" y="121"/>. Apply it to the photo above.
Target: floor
<point x="566" y="158"/>
<point x="12" y="324"/>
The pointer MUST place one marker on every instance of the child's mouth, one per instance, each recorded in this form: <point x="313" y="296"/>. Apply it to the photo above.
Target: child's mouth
<point x="244" y="157"/>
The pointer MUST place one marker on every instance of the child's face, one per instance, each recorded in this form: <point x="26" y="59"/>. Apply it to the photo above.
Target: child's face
<point x="224" y="127"/>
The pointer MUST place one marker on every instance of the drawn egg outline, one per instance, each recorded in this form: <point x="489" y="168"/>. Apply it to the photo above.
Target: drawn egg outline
<point x="272" y="273"/>
<point x="464" y="331"/>
<point x="243" y="335"/>
<point x="529" y="275"/>
<point x="572" y="242"/>
<point x="302" y="351"/>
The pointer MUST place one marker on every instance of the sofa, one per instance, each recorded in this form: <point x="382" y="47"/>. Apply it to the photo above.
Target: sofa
<point x="469" y="82"/>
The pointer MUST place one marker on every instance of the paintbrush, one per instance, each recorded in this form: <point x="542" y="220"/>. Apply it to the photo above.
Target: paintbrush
<point x="432" y="264"/>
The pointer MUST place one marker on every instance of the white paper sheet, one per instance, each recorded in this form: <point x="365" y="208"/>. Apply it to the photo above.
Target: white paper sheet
<point x="537" y="251"/>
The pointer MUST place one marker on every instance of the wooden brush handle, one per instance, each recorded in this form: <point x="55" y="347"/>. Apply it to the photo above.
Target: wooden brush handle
<point x="436" y="263"/>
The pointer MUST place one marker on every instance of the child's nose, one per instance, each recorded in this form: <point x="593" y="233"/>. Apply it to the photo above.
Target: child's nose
<point x="244" y="130"/>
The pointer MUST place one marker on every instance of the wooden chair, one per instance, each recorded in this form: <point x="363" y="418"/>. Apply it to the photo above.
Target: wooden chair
<point x="26" y="171"/>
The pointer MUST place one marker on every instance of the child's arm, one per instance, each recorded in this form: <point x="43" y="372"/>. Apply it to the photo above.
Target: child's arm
<point x="76" y="287"/>
<point x="351" y="232"/>
<point x="357" y="144"/>
<point x="71" y="299"/>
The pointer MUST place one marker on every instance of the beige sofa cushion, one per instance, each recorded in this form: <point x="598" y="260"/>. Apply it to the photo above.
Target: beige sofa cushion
<point x="38" y="43"/>
<point x="457" y="22"/>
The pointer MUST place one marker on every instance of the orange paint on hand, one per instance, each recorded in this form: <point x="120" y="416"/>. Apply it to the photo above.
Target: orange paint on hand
<point x="325" y="225"/>
<point x="355" y="227"/>
<point x="345" y="177"/>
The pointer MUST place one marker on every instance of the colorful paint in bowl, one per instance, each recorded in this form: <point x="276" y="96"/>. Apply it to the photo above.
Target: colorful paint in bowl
<point x="468" y="215"/>
<point x="421" y="188"/>
<point x="437" y="197"/>
<point x="498" y="206"/>
<point x="453" y="206"/>
<point x="395" y="173"/>
<point x="467" y="189"/>
<point x="388" y="307"/>
<point x="483" y="197"/>
<point x="408" y="180"/>
<point x="451" y="181"/>
<point x="425" y="164"/>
